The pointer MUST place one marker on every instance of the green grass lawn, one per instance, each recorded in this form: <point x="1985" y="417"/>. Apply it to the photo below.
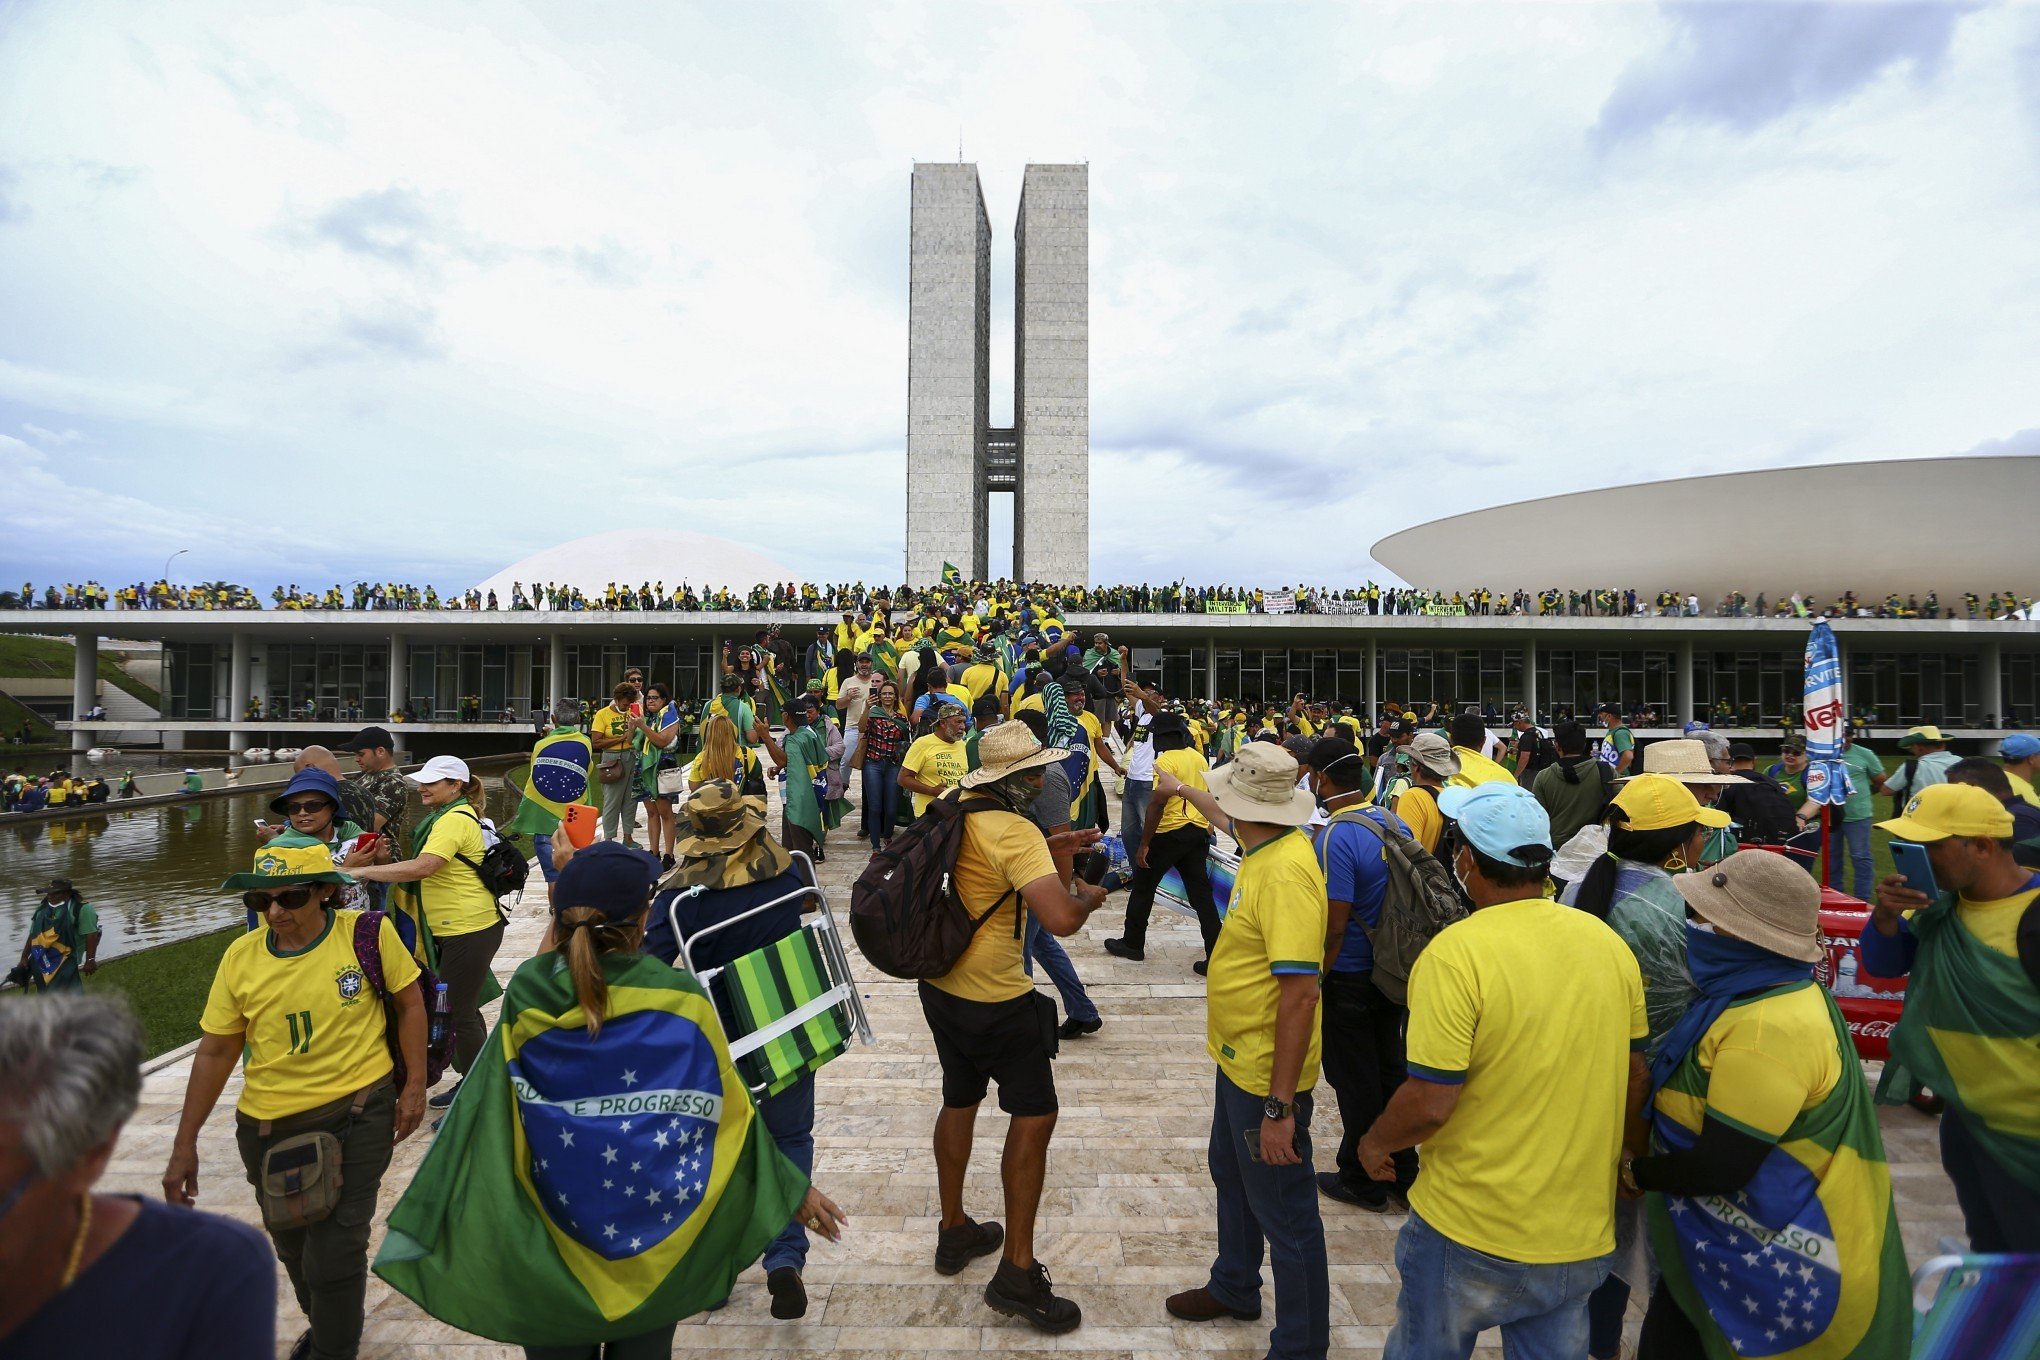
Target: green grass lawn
<point x="166" y="986"/>
<point x="43" y="657"/>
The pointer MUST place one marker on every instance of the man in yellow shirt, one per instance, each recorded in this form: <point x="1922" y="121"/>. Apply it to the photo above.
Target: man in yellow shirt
<point x="1526" y="1076"/>
<point x="1432" y="764"/>
<point x="294" y="999"/>
<point x="1469" y="736"/>
<point x="989" y="1024"/>
<point x="1261" y="1028"/>
<point x="1175" y="835"/>
<point x="937" y="762"/>
<point x="2021" y="754"/>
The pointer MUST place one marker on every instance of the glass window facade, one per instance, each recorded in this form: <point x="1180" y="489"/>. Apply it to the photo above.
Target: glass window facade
<point x="2019" y="679"/>
<point x="1904" y="689"/>
<point x="346" y="682"/>
<point x="1274" y="674"/>
<point x="1574" y="681"/>
<point x="189" y="673"/>
<point x="1490" y="678"/>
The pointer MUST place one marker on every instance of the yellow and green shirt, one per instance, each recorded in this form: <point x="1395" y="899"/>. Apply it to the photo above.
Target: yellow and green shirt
<point x="1275" y="926"/>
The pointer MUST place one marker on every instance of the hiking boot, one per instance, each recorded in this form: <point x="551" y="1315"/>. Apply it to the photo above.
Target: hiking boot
<point x="1332" y="1185"/>
<point x="789" y="1295"/>
<point x="1027" y="1293"/>
<point x="443" y="1099"/>
<point x="957" y="1247"/>
<point x="1198" y="1305"/>
<point x="1077" y="1029"/>
<point x="1120" y="949"/>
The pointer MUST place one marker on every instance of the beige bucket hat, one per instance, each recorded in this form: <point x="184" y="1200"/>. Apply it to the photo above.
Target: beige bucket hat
<point x="1760" y="897"/>
<point x="1433" y="751"/>
<point x="1008" y="749"/>
<point x="1683" y="759"/>
<point x="1259" y="785"/>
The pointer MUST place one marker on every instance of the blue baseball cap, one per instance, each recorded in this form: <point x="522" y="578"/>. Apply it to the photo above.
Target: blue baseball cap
<point x="2019" y="746"/>
<point x="608" y="876"/>
<point x="1502" y="821"/>
<point x="310" y="780"/>
<point x="1697" y="726"/>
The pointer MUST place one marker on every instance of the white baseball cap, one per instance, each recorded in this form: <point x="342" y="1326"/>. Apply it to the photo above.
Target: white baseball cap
<point x="438" y="768"/>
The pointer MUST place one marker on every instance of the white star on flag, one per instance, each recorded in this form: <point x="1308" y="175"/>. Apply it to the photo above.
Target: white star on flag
<point x="609" y="1230"/>
<point x="1751" y="1304"/>
<point x="609" y="1154"/>
<point x="636" y="1242"/>
<point x="1806" y="1272"/>
<point x="625" y="1128"/>
<point x="566" y="1137"/>
<point x="637" y="1166"/>
<point x="630" y="1078"/>
<point x="659" y="1139"/>
<point x="651" y="1197"/>
<point x="667" y="1217"/>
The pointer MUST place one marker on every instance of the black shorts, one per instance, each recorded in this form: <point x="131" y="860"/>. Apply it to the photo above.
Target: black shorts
<point x="979" y="1042"/>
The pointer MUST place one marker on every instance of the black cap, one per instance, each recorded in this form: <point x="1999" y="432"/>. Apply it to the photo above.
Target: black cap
<point x="368" y="738"/>
<point x="58" y="885"/>
<point x="1741" y="750"/>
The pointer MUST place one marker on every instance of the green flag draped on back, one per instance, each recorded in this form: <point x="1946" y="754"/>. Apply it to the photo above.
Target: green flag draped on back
<point x="591" y="1188"/>
<point x="1971" y="1033"/>
<point x="1805" y="1260"/>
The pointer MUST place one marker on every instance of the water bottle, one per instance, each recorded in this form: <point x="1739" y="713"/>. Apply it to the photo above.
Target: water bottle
<point x="442" y="1018"/>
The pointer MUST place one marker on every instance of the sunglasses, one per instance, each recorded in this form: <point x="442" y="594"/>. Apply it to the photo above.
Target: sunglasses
<point x="290" y="899"/>
<point x="304" y="806"/>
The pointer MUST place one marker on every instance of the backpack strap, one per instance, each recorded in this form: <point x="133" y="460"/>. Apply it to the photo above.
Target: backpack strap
<point x="464" y="807"/>
<point x="368" y="949"/>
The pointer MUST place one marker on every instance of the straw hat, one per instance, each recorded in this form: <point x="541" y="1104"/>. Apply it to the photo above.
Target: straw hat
<point x="1684" y="759"/>
<point x="1760" y="897"/>
<point x="1008" y="749"/>
<point x="1259" y="785"/>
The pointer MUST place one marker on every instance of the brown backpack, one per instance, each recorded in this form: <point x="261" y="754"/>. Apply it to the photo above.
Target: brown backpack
<point x="904" y="910"/>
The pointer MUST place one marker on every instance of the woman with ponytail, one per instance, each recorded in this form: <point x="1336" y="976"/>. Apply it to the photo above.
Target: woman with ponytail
<point x="1656" y="828"/>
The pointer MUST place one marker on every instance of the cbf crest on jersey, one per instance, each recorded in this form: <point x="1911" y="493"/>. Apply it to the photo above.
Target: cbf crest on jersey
<point x="591" y="1187"/>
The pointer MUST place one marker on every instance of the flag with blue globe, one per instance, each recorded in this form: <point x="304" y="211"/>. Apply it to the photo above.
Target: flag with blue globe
<point x="591" y="1187"/>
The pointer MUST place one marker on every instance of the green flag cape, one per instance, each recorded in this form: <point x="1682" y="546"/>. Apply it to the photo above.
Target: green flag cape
<point x="1971" y="1033"/>
<point x="584" y="1188"/>
<point x="1804" y="1261"/>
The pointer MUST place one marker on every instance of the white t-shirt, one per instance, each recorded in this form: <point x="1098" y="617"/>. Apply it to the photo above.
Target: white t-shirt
<point x="1140" y="753"/>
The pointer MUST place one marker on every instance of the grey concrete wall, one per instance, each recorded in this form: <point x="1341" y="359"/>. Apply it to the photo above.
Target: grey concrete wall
<point x="1052" y="375"/>
<point x="948" y="378"/>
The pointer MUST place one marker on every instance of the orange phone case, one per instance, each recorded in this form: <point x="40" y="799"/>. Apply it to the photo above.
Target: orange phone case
<point x="581" y="823"/>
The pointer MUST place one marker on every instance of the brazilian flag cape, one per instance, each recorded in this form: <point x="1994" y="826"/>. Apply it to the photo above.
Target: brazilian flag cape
<point x="556" y="777"/>
<point x="1805" y="1261"/>
<point x="1971" y="1033"/>
<point x="587" y="1189"/>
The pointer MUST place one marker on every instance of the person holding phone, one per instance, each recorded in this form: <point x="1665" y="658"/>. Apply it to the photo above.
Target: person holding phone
<point x="1974" y="969"/>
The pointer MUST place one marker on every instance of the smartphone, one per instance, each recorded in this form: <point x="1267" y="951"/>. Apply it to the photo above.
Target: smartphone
<point x="1254" y="1146"/>
<point x="582" y="821"/>
<point x="1911" y="860"/>
<point x="366" y="840"/>
<point x="261" y="825"/>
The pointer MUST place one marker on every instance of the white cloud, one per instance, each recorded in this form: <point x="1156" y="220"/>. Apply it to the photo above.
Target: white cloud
<point x="536" y="272"/>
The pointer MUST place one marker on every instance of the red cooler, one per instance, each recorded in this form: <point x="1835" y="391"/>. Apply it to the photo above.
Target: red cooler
<point x="1869" y="1003"/>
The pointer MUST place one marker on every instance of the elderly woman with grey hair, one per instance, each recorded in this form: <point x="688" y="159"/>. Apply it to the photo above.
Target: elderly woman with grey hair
<point x="96" y="1274"/>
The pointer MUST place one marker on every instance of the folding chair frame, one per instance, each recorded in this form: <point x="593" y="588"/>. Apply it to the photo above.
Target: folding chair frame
<point x="835" y="962"/>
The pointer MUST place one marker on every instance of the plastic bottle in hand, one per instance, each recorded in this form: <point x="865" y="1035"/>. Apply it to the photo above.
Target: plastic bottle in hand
<point x="442" y="1017"/>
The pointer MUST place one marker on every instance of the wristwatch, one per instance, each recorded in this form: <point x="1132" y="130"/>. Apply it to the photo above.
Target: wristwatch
<point x="1277" y="1109"/>
<point x="1628" y="1176"/>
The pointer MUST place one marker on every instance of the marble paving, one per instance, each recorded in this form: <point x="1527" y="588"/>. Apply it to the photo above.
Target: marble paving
<point x="1127" y="1213"/>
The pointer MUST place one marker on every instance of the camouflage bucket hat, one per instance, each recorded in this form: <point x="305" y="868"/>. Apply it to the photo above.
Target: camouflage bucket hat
<point x="724" y="843"/>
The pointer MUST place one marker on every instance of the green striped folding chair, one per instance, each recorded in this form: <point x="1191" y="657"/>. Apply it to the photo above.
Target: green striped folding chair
<point x="794" y="1002"/>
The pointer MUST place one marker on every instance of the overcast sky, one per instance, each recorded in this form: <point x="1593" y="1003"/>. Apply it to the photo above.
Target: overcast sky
<point x="320" y="293"/>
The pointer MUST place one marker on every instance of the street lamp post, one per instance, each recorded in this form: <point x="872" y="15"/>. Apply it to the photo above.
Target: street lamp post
<point x="172" y="558"/>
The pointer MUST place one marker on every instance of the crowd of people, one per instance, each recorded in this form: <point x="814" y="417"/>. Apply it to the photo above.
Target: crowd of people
<point x="981" y="598"/>
<point x="1561" y="986"/>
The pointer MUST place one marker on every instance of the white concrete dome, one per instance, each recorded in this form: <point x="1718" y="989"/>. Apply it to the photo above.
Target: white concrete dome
<point x="634" y="557"/>
<point x="1907" y="526"/>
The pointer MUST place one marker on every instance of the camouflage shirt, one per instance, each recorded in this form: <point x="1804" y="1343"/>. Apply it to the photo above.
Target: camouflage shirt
<point x="388" y="794"/>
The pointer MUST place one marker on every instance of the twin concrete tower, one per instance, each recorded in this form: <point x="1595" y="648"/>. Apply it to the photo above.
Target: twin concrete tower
<point x="956" y="457"/>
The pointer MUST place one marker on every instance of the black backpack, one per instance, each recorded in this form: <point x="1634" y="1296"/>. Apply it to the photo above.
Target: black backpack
<point x="502" y="867"/>
<point x="904" y="911"/>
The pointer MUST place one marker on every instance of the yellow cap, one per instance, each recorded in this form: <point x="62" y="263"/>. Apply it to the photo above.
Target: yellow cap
<point x="1657" y="802"/>
<point x="1940" y="811"/>
<point x="1929" y="735"/>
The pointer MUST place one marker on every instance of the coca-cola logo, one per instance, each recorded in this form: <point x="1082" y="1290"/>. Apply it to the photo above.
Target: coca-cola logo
<point x="1871" y="1029"/>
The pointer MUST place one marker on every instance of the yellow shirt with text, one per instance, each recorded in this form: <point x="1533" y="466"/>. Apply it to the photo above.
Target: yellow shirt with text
<point x="935" y="761"/>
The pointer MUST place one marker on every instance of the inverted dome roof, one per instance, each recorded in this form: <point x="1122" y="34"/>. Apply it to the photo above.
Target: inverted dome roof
<point x="635" y="556"/>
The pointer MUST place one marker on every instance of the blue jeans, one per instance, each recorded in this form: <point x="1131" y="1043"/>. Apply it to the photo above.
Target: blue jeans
<point x="881" y="800"/>
<point x="543" y="846"/>
<point x="1047" y="950"/>
<point x="1134" y="796"/>
<point x="1276" y="1204"/>
<point x="1852" y="843"/>
<point x="790" y="1119"/>
<point x="1452" y="1293"/>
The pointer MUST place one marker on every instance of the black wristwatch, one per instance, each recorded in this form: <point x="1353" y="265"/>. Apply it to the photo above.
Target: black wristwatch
<point x="1277" y="1109"/>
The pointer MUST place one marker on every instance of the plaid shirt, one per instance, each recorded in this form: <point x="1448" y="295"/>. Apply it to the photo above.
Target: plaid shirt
<point x="388" y="794"/>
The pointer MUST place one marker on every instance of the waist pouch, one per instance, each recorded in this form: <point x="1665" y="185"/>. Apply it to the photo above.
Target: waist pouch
<point x="300" y="1179"/>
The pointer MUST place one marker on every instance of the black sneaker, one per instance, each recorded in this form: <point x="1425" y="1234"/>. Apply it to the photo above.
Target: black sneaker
<point x="1198" y="967"/>
<point x="789" y="1295"/>
<point x="1077" y="1029"/>
<point x="443" y="1099"/>
<point x="1332" y="1185"/>
<point x="301" y="1349"/>
<point x="1120" y="949"/>
<point x="1027" y="1294"/>
<point x="957" y="1247"/>
<point x="665" y="861"/>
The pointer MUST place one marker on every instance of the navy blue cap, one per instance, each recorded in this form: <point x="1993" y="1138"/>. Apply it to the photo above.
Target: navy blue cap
<point x="608" y="876"/>
<point x="308" y="781"/>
